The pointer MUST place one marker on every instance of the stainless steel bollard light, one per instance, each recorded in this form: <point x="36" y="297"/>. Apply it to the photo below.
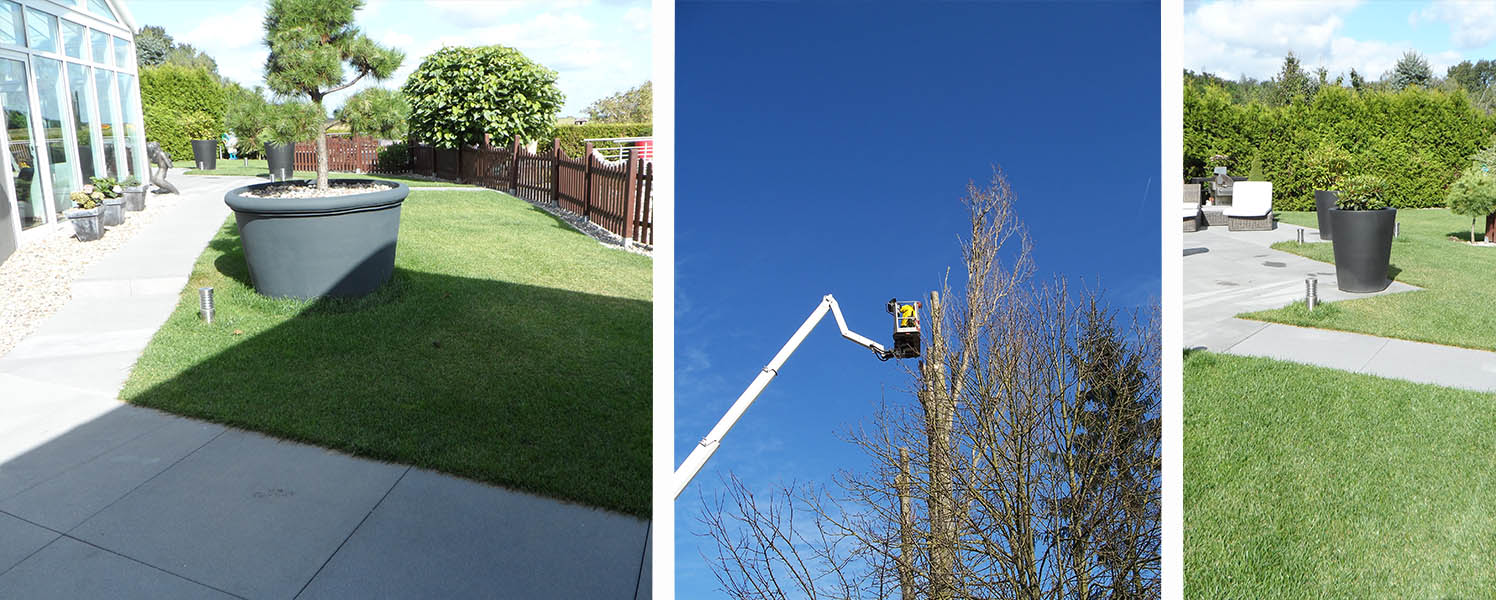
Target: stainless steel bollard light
<point x="1301" y="237"/>
<point x="1311" y="292"/>
<point x="205" y="303"/>
<point x="1396" y="229"/>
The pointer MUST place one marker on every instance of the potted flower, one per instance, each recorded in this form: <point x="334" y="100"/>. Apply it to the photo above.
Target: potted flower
<point x="1363" y="224"/>
<point x="111" y="195"/>
<point x="303" y="239"/>
<point x="134" y="194"/>
<point x="85" y="214"/>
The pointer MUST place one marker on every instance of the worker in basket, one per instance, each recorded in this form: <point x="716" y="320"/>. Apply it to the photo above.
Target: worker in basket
<point x="906" y="340"/>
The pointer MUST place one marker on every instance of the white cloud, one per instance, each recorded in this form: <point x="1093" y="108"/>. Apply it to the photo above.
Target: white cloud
<point x="235" y="40"/>
<point x="1472" y="23"/>
<point x="1233" y="38"/>
<point x="467" y="12"/>
<point x="639" y="18"/>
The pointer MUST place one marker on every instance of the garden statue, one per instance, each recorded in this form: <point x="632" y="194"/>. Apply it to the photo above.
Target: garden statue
<point x="162" y="160"/>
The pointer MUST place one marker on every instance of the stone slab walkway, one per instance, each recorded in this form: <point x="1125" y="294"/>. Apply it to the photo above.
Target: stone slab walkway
<point x="104" y="499"/>
<point x="1228" y="273"/>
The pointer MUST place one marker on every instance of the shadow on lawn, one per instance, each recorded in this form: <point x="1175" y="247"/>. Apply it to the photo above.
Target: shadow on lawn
<point x="540" y="389"/>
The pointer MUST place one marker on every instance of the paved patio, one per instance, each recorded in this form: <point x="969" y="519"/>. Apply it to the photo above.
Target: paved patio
<point x="104" y="499"/>
<point x="1228" y="273"/>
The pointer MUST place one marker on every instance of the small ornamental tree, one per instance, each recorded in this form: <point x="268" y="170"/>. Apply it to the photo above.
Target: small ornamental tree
<point x="460" y="93"/>
<point x="1474" y="195"/>
<point x="310" y="43"/>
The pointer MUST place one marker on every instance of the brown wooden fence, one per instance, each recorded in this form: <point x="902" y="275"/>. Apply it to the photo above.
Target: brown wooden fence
<point x="344" y="153"/>
<point x="616" y="196"/>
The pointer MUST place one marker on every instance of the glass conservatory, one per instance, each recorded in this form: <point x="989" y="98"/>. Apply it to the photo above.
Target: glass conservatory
<point x="71" y="101"/>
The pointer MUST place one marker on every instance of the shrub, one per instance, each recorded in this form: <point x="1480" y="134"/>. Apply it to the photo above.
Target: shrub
<point x="394" y="158"/>
<point x="181" y="104"/>
<point x="1473" y="195"/>
<point x="460" y="93"/>
<point x="1362" y="192"/>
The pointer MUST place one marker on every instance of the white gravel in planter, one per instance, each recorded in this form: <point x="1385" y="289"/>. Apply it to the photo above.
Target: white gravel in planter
<point x="311" y="191"/>
<point x="36" y="281"/>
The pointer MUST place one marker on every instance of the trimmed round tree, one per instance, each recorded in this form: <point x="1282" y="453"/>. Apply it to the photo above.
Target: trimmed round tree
<point x="460" y="93"/>
<point x="1474" y="195"/>
<point x="311" y="41"/>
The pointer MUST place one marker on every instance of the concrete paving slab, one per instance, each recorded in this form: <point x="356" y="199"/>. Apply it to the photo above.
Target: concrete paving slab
<point x="105" y="375"/>
<point x="121" y="313"/>
<point x="82" y="343"/>
<point x="423" y="542"/>
<point x="1432" y="363"/>
<point x="19" y="539"/>
<point x="646" y="577"/>
<point x="67" y="568"/>
<point x="67" y="436"/>
<point x="1334" y="349"/>
<point x="65" y="501"/>
<point x="246" y="513"/>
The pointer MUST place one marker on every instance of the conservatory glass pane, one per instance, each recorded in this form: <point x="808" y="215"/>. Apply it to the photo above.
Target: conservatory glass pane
<point x="121" y="53"/>
<point x="104" y="85"/>
<point x="129" y="97"/>
<point x="101" y="47"/>
<point x="101" y="8"/>
<point x="72" y="39"/>
<point x="51" y="95"/>
<point x="41" y="30"/>
<point x="17" y="108"/>
<point x="82" y="107"/>
<point x="10" y="23"/>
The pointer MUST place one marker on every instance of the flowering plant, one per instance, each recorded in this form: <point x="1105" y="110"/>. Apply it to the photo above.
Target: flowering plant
<point x="85" y="198"/>
<point x="104" y="185"/>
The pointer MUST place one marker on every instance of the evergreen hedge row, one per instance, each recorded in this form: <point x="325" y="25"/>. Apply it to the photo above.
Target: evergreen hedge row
<point x="180" y="104"/>
<point x="1417" y="140"/>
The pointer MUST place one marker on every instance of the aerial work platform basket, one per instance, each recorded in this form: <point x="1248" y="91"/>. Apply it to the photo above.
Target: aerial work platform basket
<point x="906" y="341"/>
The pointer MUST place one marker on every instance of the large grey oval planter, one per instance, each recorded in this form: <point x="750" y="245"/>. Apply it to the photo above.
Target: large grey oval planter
<point x="1324" y="202"/>
<point x="310" y="247"/>
<point x="282" y="159"/>
<point x="205" y="154"/>
<point x="114" y="211"/>
<point x="1363" y="248"/>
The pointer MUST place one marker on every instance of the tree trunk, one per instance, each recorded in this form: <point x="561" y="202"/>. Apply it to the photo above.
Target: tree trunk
<point x="321" y="159"/>
<point x="906" y="529"/>
<point x="939" y="411"/>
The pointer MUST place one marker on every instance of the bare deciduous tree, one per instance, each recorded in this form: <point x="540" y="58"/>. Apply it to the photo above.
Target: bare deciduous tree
<point x="1028" y="467"/>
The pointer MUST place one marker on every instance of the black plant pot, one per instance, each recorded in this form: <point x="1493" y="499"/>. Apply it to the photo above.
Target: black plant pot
<point x="1324" y="202"/>
<point x="310" y="247"/>
<point x="1363" y="248"/>
<point x="205" y="154"/>
<point x="282" y="159"/>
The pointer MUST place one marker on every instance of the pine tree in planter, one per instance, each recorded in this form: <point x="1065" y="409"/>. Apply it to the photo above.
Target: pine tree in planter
<point x="323" y="245"/>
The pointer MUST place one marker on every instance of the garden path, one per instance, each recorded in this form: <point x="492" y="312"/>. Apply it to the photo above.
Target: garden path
<point x="1229" y="273"/>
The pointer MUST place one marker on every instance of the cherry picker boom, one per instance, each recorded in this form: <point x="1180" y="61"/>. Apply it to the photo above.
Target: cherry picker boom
<point x="906" y="344"/>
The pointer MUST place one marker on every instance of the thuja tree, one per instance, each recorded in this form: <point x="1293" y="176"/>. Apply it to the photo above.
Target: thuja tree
<point x="311" y="42"/>
<point x="458" y="94"/>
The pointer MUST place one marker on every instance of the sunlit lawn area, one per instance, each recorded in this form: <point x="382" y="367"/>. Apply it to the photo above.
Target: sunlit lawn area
<point x="1306" y="482"/>
<point x="1455" y="307"/>
<point x="508" y="348"/>
<point x="261" y="168"/>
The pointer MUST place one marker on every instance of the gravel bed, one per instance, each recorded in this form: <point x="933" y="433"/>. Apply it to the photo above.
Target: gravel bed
<point x="593" y="230"/>
<point x="37" y="279"/>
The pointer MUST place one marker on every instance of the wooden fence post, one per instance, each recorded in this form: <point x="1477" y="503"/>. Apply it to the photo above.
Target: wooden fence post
<point x="556" y="172"/>
<point x="587" y="182"/>
<point x="514" y="166"/>
<point x="630" y="198"/>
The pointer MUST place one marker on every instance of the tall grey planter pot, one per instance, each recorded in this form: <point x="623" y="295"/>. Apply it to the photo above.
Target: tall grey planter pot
<point x="205" y="154"/>
<point x="282" y="160"/>
<point x="135" y="198"/>
<point x="114" y="211"/>
<point x="1324" y="202"/>
<point x="310" y="247"/>
<point x="87" y="224"/>
<point x="1363" y="248"/>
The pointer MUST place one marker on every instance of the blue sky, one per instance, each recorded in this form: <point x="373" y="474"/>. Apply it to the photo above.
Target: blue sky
<point x="597" y="47"/>
<point x="825" y="149"/>
<point x="1250" y="37"/>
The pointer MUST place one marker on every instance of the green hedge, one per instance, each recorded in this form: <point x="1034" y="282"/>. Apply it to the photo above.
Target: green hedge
<point x="571" y="136"/>
<point x="180" y="104"/>
<point x="1417" y="140"/>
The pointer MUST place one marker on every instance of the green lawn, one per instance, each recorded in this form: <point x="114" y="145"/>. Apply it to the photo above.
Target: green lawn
<point x="1455" y="307"/>
<point x="1305" y="482"/>
<point x="261" y="168"/>
<point x="507" y="348"/>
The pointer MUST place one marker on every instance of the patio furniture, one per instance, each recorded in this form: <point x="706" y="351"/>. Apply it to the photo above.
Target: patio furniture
<point x="1191" y="213"/>
<point x="1193" y="194"/>
<point x="1251" y="207"/>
